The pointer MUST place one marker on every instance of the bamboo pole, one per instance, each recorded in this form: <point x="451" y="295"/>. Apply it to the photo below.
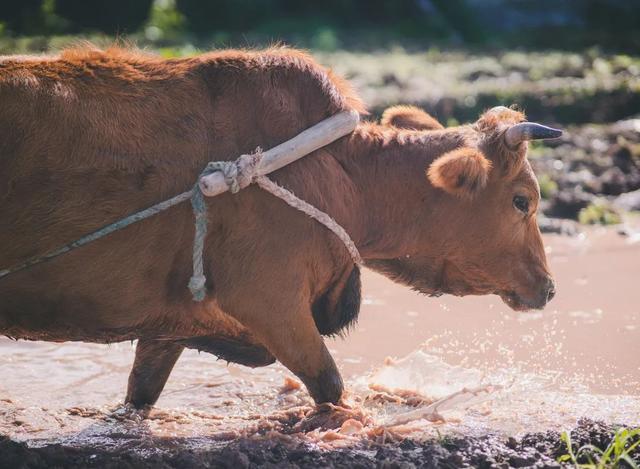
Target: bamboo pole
<point x="308" y="141"/>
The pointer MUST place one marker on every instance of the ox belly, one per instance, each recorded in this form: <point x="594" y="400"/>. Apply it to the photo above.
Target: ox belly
<point x="71" y="316"/>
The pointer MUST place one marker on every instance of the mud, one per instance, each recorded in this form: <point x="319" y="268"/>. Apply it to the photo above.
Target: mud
<point x="552" y="86"/>
<point x="540" y="450"/>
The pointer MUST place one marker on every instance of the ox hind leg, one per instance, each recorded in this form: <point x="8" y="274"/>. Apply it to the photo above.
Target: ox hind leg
<point x="151" y="368"/>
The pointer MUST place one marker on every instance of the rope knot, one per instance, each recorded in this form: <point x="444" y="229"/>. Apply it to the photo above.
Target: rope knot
<point x="238" y="173"/>
<point x="196" y="286"/>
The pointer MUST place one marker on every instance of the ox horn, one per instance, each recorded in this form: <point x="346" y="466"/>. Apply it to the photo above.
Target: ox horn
<point x="518" y="133"/>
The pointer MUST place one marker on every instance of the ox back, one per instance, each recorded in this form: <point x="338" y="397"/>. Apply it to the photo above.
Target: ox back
<point x="91" y="136"/>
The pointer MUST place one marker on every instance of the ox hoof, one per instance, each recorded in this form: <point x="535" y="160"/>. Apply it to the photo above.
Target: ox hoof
<point x="326" y="387"/>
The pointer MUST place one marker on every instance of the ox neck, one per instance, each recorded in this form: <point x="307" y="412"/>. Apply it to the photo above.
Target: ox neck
<point x="385" y="165"/>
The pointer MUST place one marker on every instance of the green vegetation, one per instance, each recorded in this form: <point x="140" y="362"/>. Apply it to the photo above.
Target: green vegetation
<point x="331" y="24"/>
<point x="537" y="149"/>
<point x="321" y="25"/>
<point x="548" y="187"/>
<point x="625" y="444"/>
<point x="599" y="213"/>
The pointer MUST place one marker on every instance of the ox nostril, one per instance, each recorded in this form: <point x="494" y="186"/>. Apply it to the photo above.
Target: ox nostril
<point x="551" y="289"/>
<point x="550" y="294"/>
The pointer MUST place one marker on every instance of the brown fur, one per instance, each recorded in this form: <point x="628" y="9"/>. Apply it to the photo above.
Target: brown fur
<point x="493" y="124"/>
<point x="409" y="117"/>
<point x="91" y="136"/>
<point x="462" y="172"/>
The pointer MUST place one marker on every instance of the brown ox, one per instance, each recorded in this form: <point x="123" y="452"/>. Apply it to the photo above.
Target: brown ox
<point x="90" y="136"/>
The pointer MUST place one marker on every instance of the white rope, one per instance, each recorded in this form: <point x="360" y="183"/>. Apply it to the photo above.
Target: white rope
<point x="247" y="168"/>
<point x="238" y="174"/>
<point x="291" y="199"/>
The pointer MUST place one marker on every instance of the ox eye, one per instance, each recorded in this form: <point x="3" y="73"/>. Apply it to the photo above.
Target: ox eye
<point x="521" y="203"/>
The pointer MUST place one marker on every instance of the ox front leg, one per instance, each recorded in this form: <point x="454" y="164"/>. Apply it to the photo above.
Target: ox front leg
<point x="274" y="305"/>
<point x="153" y="364"/>
<point x="295" y="341"/>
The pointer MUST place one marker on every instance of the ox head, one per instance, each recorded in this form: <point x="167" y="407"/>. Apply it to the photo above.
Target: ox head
<point x="476" y="232"/>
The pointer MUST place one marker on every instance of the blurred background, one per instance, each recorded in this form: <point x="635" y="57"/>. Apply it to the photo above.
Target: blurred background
<point x="334" y="23"/>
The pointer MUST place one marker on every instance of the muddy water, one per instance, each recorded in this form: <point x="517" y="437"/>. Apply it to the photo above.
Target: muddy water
<point x="413" y="364"/>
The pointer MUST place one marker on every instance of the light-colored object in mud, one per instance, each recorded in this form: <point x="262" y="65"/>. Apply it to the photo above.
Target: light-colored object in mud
<point x="432" y="411"/>
<point x="308" y="141"/>
<point x="290" y="385"/>
<point x="351" y="426"/>
<point x="629" y="125"/>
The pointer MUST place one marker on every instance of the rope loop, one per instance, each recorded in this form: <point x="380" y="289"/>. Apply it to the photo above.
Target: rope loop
<point x="238" y="174"/>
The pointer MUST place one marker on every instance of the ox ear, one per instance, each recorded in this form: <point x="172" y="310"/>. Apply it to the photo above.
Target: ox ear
<point x="409" y="117"/>
<point x="462" y="172"/>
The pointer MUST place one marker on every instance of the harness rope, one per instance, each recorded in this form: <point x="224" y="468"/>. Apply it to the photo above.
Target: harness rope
<point x="238" y="174"/>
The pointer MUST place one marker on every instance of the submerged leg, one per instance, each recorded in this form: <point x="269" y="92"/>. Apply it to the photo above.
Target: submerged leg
<point x="153" y="364"/>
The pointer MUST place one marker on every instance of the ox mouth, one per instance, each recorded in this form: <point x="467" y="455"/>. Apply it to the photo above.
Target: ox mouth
<point x="517" y="302"/>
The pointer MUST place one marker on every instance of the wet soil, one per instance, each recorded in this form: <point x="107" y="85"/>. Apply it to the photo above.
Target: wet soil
<point x="540" y="450"/>
<point x="591" y="164"/>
